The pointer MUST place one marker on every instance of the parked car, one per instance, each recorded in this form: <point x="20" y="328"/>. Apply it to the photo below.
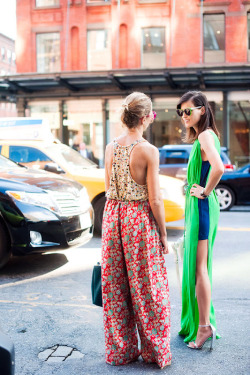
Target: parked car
<point x="174" y="160"/>
<point x="61" y="159"/>
<point x="40" y="211"/>
<point x="234" y="188"/>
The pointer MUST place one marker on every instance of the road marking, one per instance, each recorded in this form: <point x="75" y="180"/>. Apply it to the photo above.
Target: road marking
<point x="35" y="304"/>
<point x="226" y="229"/>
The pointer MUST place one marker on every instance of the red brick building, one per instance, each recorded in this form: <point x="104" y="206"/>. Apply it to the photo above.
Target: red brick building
<point x="177" y="45"/>
<point x="97" y="35"/>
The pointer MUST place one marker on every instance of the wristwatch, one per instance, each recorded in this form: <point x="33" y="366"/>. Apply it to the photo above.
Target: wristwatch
<point x="203" y="195"/>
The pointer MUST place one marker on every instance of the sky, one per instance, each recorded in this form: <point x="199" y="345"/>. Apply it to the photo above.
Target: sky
<point x="8" y="18"/>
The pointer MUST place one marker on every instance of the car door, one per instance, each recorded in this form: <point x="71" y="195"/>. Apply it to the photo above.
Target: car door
<point x="242" y="184"/>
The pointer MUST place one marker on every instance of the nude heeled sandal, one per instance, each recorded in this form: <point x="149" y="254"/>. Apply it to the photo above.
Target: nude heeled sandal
<point x="212" y="337"/>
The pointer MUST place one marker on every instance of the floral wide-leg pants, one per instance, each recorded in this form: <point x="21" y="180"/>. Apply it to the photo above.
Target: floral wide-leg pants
<point x="134" y="285"/>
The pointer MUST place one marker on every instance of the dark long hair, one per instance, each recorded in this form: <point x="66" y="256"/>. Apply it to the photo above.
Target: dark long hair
<point x="207" y="119"/>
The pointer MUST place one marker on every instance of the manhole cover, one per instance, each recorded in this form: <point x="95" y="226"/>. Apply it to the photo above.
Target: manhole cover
<point x="59" y="353"/>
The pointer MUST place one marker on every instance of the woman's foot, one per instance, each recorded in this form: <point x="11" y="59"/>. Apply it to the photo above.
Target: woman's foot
<point x="203" y="334"/>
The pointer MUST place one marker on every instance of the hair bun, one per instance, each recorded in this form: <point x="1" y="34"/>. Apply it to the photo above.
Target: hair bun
<point x="125" y="106"/>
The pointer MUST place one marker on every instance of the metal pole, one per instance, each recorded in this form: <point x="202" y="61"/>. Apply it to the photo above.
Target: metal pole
<point x="67" y="36"/>
<point x="201" y="32"/>
<point x="104" y="124"/>
<point x="226" y="133"/>
<point x="60" y="135"/>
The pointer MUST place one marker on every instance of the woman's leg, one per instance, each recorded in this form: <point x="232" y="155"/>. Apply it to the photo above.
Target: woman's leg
<point x="203" y="291"/>
<point x="203" y="287"/>
<point x="148" y="282"/>
<point x="121" y="341"/>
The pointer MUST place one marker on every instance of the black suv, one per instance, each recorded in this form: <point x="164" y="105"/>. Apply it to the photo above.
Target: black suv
<point x="174" y="160"/>
<point x="40" y="211"/>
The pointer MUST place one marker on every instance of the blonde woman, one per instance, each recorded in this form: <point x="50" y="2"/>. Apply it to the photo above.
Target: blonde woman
<point x="134" y="239"/>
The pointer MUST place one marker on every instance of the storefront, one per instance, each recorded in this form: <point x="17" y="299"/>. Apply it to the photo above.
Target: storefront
<point x="84" y="111"/>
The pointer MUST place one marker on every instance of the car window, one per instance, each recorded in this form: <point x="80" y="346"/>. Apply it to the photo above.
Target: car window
<point x="66" y="155"/>
<point x="0" y="149"/>
<point x="173" y="157"/>
<point x="23" y="154"/>
<point x="6" y="163"/>
<point x="224" y="158"/>
<point x="246" y="170"/>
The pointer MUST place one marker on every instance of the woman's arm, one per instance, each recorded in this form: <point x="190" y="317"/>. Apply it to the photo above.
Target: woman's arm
<point x="154" y="194"/>
<point x="217" y="168"/>
<point x="108" y="164"/>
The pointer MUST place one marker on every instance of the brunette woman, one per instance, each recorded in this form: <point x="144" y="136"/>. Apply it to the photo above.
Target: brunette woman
<point x="205" y="169"/>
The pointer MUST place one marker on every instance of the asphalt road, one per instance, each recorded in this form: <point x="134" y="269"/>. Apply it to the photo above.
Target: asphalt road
<point x="45" y="301"/>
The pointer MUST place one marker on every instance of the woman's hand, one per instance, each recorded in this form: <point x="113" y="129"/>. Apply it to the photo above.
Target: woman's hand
<point x="196" y="190"/>
<point x="164" y="244"/>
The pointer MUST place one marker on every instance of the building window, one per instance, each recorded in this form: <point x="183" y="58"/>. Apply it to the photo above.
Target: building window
<point x="9" y="56"/>
<point x="99" y="51"/>
<point x="98" y="1"/>
<point x="248" y="28"/>
<point x="86" y="128"/>
<point x="47" y="3"/>
<point x="13" y="57"/>
<point x="239" y="128"/>
<point x="153" y="47"/>
<point x="152" y="1"/>
<point x="3" y="53"/>
<point x="214" y="38"/>
<point x="48" y="52"/>
<point x="48" y="110"/>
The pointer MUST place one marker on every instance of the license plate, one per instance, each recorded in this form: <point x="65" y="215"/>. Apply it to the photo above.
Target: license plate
<point x="85" y="220"/>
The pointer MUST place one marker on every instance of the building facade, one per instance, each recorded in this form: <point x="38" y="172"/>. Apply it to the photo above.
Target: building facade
<point x="7" y="68"/>
<point x="85" y="37"/>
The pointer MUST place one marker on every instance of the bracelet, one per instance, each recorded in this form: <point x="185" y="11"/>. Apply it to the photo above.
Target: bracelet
<point x="203" y="195"/>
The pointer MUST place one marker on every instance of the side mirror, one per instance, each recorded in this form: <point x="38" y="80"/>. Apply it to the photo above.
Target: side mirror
<point x="53" y="167"/>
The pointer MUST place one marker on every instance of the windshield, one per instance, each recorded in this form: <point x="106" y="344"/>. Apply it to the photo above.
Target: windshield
<point x="64" y="154"/>
<point x="6" y="163"/>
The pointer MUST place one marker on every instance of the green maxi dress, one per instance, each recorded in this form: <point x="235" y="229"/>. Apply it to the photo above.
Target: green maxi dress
<point x="190" y="312"/>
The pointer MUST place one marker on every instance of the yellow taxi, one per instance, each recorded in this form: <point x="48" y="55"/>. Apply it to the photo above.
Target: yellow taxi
<point x="44" y="152"/>
<point x="59" y="158"/>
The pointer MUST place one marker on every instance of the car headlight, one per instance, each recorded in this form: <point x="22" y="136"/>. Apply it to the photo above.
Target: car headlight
<point x="37" y="199"/>
<point x="84" y="200"/>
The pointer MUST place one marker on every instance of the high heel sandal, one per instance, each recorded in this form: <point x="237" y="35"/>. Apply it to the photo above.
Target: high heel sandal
<point x="212" y="337"/>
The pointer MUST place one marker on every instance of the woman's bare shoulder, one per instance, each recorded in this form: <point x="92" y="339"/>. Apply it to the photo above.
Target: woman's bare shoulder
<point x="206" y="139"/>
<point x="205" y="136"/>
<point x="148" y="148"/>
<point x="109" y="146"/>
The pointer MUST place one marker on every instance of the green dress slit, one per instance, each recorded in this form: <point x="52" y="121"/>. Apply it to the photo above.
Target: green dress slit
<point x="190" y="312"/>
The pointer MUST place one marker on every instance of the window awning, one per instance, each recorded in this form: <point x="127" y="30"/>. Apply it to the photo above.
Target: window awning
<point x="118" y="82"/>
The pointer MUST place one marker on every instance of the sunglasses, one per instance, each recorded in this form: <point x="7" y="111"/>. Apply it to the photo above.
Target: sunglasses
<point x="187" y="111"/>
<point x="154" y="114"/>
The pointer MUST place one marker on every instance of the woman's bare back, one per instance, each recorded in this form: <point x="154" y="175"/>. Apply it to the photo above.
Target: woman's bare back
<point x="138" y="158"/>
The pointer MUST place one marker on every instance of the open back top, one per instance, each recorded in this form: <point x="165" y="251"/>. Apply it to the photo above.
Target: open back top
<point x="122" y="185"/>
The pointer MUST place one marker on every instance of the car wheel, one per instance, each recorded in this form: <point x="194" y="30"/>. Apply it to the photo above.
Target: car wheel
<point x="4" y="246"/>
<point x="225" y="196"/>
<point x="98" y="214"/>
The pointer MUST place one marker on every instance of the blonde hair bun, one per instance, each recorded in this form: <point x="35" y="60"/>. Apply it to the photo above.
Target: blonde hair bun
<point x="134" y="107"/>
